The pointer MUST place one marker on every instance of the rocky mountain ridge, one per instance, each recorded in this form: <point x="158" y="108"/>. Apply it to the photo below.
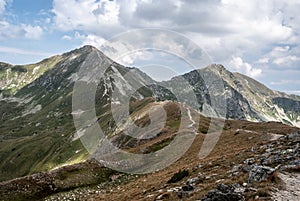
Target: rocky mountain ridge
<point x="244" y="97"/>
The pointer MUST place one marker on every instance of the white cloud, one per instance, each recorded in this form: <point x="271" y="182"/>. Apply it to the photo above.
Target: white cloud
<point x="32" y="32"/>
<point x="47" y="20"/>
<point x="239" y="65"/>
<point x="284" y="57"/>
<point x="287" y="60"/>
<point x="3" y="4"/>
<point x="281" y="82"/>
<point x="12" y="50"/>
<point x="90" y="39"/>
<point x="281" y="49"/>
<point x="8" y="31"/>
<point x="66" y="37"/>
<point x="262" y="32"/>
<point x="263" y="60"/>
<point x="234" y="27"/>
<point x="91" y="16"/>
<point x="131" y="58"/>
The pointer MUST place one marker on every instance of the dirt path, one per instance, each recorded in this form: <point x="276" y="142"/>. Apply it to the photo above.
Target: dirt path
<point x="291" y="190"/>
<point x="191" y="118"/>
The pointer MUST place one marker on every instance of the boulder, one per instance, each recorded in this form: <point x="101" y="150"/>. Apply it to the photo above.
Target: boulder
<point x="259" y="173"/>
<point x="224" y="193"/>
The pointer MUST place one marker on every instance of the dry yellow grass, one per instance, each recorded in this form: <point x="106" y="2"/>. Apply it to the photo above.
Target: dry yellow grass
<point x="229" y="151"/>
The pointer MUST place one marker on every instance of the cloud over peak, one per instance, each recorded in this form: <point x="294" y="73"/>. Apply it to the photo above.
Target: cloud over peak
<point x="239" y="65"/>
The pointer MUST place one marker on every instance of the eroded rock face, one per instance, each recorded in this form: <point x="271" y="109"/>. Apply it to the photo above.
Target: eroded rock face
<point x="245" y="97"/>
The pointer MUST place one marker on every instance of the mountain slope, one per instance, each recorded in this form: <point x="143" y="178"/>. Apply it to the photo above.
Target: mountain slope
<point x="272" y="105"/>
<point x="243" y="147"/>
<point x="37" y="131"/>
<point x="36" y="126"/>
<point x="14" y="77"/>
<point x="245" y="98"/>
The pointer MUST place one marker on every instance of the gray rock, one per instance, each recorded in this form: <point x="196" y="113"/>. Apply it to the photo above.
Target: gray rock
<point x="224" y="193"/>
<point x="293" y="135"/>
<point x="293" y="165"/>
<point x="194" y="180"/>
<point x="259" y="173"/>
<point x="276" y="159"/>
<point x="249" y="161"/>
<point x="187" y="188"/>
<point x="246" y="168"/>
<point x="235" y="168"/>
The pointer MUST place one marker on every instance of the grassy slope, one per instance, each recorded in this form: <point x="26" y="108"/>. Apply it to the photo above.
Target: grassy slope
<point x="43" y="140"/>
<point x="237" y="138"/>
<point x="15" y="77"/>
<point x="231" y="149"/>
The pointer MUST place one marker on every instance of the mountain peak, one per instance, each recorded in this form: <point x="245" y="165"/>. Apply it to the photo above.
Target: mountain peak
<point x="217" y="68"/>
<point x="88" y="48"/>
<point x="82" y="50"/>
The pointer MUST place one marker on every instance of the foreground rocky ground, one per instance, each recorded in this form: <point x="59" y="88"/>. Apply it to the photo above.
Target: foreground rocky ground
<point x="252" y="161"/>
<point x="275" y="164"/>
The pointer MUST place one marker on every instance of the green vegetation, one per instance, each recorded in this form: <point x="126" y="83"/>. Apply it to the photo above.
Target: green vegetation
<point x="14" y="78"/>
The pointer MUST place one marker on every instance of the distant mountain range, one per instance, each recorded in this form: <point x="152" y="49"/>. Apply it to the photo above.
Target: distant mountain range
<point x="36" y="124"/>
<point x="246" y="98"/>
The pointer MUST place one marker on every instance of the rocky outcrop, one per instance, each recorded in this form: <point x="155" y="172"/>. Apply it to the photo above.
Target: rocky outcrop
<point x="259" y="173"/>
<point x="280" y="155"/>
<point x="226" y="193"/>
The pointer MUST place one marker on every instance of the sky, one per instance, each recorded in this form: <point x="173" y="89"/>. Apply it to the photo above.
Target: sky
<point x="259" y="38"/>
